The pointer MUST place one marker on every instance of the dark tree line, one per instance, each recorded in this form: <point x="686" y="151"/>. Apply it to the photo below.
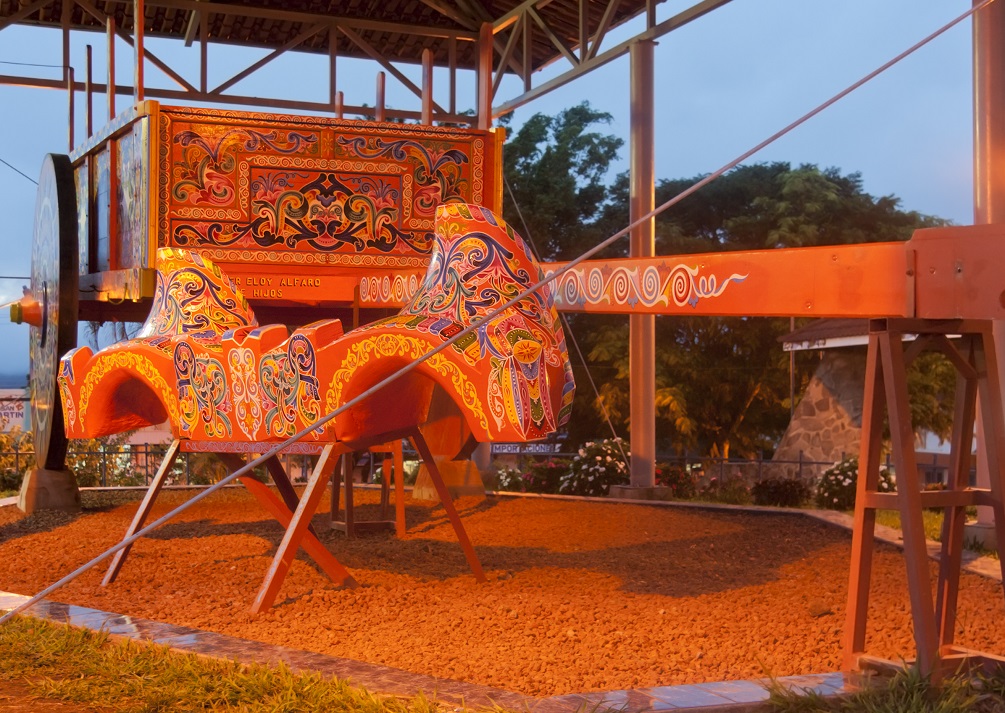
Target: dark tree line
<point x="722" y="383"/>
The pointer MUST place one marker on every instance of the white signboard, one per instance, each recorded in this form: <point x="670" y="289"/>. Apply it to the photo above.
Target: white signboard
<point x="14" y="410"/>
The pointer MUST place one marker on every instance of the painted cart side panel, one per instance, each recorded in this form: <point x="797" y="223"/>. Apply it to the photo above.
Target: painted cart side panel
<point x="308" y="210"/>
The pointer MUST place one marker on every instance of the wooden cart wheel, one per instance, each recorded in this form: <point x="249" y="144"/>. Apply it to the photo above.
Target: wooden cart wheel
<point x="54" y="284"/>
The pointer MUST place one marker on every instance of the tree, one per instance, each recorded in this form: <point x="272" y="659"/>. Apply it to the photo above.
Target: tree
<point x="723" y="383"/>
<point x="556" y="168"/>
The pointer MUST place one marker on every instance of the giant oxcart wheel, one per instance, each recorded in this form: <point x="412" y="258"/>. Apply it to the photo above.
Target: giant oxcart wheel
<point x="54" y="286"/>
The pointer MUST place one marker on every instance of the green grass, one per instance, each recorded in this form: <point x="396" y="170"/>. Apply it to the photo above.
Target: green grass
<point x="88" y="668"/>
<point x="932" y="520"/>
<point x="933" y="528"/>
<point x="906" y="692"/>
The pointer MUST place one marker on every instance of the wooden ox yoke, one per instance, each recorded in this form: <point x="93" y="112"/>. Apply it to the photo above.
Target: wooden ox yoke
<point x="227" y="384"/>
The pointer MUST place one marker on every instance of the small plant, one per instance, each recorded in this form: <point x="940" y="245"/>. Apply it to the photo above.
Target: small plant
<point x="510" y="479"/>
<point x="837" y="487"/>
<point x="546" y="476"/>
<point x="682" y="483"/>
<point x="596" y="467"/>
<point x="731" y="491"/>
<point x="780" y="492"/>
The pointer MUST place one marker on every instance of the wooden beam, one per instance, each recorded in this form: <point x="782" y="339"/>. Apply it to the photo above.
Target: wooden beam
<point x="24" y="13"/>
<point x="603" y="27"/>
<point x="237" y="100"/>
<point x="311" y="18"/>
<point x="668" y="25"/>
<point x="151" y="57"/>
<point x="507" y="55"/>
<point x="299" y="39"/>
<point x="451" y="14"/>
<point x="557" y="41"/>
<point x="386" y="64"/>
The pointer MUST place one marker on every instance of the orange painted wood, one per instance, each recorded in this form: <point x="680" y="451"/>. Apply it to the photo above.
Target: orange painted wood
<point x="312" y="546"/>
<point x="950" y="562"/>
<point x="297" y="528"/>
<point x="863" y="530"/>
<point x="142" y="512"/>
<point x="448" y="504"/>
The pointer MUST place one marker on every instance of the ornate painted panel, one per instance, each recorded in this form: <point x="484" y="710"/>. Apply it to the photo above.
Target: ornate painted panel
<point x="265" y="188"/>
<point x="133" y="220"/>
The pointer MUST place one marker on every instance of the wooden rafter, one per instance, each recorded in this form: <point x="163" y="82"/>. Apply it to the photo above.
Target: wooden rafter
<point x="24" y="13"/>
<point x="147" y="54"/>
<point x="386" y="64"/>
<point x="555" y="39"/>
<point x="299" y="39"/>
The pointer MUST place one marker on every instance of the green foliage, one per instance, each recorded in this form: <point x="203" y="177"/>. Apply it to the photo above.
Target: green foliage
<point x="723" y="383"/>
<point x="556" y="167"/>
<point x="85" y="458"/>
<point x="780" y="492"/>
<point x="837" y="487"/>
<point x="546" y="476"/>
<point x="91" y="670"/>
<point x="906" y="692"/>
<point x="730" y="491"/>
<point x="510" y="479"/>
<point x="17" y="454"/>
<point x="682" y="483"/>
<point x="596" y="467"/>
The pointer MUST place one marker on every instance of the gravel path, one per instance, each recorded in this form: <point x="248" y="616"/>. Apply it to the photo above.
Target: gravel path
<point x="581" y="596"/>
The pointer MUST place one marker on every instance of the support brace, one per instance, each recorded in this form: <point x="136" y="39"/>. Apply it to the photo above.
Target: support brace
<point x="886" y="392"/>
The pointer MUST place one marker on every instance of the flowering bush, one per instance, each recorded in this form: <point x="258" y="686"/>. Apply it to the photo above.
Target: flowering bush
<point x="732" y="491"/>
<point x="596" y="467"/>
<point x="780" y="492"/>
<point x="837" y="487"/>
<point x="546" y="476"/>
<point x="510" y="479"/>
<point x="683" y="484"/>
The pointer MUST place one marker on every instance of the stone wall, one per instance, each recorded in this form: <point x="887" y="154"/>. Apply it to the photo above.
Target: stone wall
<point x="827" y="422"/>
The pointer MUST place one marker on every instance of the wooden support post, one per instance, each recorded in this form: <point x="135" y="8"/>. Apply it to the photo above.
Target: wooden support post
<point x="950" y="561"/>
<point x="143" y="511"/>
<point x="297" y="528"/>
<point x="863" y="531"/>
<point x="89" y="93"/>
<point x="886" y="378"/>
<point x="139" y="20"/>
<point x="483" y="96"/>
<point x="427" y="87"/>
<point x="380" y="110"/>
<point x="312" y="546"/>
<point x="110" y="86"/>
<point x="909" y="496"/>
<point x="448" y="504"/>
<point x="70" y="108"/>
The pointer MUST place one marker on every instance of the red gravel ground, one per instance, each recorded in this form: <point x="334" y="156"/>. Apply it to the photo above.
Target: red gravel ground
<point x="581" y="596"/>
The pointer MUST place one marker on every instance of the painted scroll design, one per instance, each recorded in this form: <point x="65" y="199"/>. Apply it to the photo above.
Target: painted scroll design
<point x="131" y="361"/>
<point x="194" y="298"/>
<point x="202" y="393"/>
<point x="653" y="286"/>
<point x="204" y="173"/>
<point x="478" y="264"/>
<point x="328" y="211"/>
<point x="388" y="289"/>
<point x="244" y="389"/>
<point x="290" y="387"/>
<point x="439" y="176"/>
<point x="409" y="348"/>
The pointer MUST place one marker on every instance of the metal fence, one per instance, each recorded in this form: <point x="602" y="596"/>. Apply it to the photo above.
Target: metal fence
<point x="136" y="465"/>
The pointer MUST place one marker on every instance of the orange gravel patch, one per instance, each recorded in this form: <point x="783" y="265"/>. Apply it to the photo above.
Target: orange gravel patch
<point x="582" y="596"/>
